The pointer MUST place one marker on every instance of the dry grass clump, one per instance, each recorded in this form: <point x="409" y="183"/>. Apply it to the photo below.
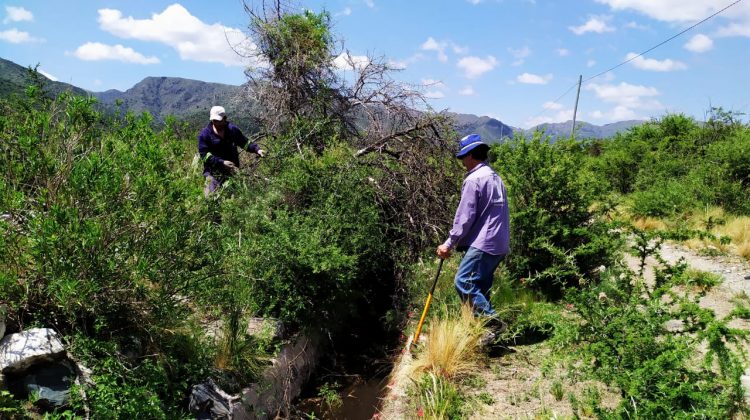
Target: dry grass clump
<point x="719" y="223"/>
<point x="739" y="230"/>
<point x="453" y="346"/>
<point x="735" y="228"/>
<point x="649" y="223"/>
<point x="707" y="244"/>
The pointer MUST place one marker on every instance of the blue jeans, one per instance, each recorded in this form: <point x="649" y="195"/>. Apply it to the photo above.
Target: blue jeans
<point x="474" y="279"/>
<point x="212" y="183"/>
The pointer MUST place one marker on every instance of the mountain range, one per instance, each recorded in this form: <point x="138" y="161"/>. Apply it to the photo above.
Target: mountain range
<point x="190" y="99"/>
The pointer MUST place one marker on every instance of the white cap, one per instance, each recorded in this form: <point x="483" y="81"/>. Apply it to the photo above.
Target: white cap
<point x="218" y="113"/>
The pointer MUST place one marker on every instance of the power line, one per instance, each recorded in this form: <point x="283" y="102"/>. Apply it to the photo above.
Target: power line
<point x="555" y="100"/>
<point x="639" y="55"/>
<point x="661" y="43"/>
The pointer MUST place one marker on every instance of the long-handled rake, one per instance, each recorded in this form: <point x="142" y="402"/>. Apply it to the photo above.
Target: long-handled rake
<point x="427" y="303"/>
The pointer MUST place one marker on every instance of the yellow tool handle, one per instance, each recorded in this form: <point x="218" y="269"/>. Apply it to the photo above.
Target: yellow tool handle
<point x="421" y="319"/>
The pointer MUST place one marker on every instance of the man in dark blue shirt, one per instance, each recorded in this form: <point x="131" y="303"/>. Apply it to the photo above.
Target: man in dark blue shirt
<point x="217" y="146"/>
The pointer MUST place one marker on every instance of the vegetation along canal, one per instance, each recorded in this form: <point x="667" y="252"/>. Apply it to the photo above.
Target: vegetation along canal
<point x="353" y="374"/>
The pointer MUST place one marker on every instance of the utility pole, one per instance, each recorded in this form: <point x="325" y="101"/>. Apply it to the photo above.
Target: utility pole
<point x="575" y="108"/>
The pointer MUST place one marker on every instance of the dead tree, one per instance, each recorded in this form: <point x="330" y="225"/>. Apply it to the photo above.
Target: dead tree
<point x="309" y="92"/>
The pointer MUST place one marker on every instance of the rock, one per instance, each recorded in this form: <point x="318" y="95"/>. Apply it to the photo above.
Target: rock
<point x="208" y="401"/>
<point x="674" y="325"/>
<point x="3" y="313"/>
<point x="50" y="382"/>
<point x="282" y="381"/>
<point x="20" y="350"/>
<point x="279" y="384"/>
<point x="265" y="327"/>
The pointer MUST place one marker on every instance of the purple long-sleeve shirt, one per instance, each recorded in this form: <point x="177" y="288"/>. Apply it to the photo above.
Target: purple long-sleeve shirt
<point x="482" y="218"/>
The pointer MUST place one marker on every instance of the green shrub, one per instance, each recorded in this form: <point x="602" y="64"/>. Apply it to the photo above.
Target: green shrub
<point x="665" y="198"/>
<point x="622" y="339"/>
<point x="104" y="237"/>
<point x="731" y="177"/>
<point x="557" y="236"/>
<point x="674" y="164"/>
<point x="313" y="244"/>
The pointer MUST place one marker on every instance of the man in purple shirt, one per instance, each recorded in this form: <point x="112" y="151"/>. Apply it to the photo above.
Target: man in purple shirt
<point x="481" y="226"/>
<point x="217" y="146"/>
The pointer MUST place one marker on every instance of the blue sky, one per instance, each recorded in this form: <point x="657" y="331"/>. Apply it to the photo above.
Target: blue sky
<point x="508" y="59"/>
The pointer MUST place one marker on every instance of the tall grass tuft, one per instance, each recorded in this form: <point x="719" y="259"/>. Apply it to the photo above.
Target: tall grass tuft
<point x="438" y="398"/>
<point x="739" y="230"/>
<point x="649" y="223"/>
<point x="453" y="345"/>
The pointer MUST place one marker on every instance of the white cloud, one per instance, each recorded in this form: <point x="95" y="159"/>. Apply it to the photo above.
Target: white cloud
<point x="346" y="61"/>
<point x="440" y="46"/>
<point x="370" y="4"/>
<point x="735" y="29"/>
<point x="403" y="64"/>
<point x="681" y="11"/>
<point x="346" y="12"/>
<point x="651" y="64"/>
<point x="14" y="36"/>
<point x="561" y="115"/>
<point x="96" y="51"/>
<point x="17" y="14"/>
<point x="590" y="63"/>
<point x="466" y="91"/>
<point x="519" y="54"/>
<point x="617" y="113"/>
<point x="552" y="105"/>
<point x="432" y="45"/>
<point x="699" y="43"/>
<point x="188" y="35"/>
<point x="668" y="10"/>
<point x="475" y="2"/>
<point x="635" y="25"/>
<point x="562" y="52"/>
<point x="476" y="66"/>
<point x="47" y="75"/>
<point x="458" y="49"/>
<point x="434" y="94"/>
<point x="628" y="100"/>
<point x="596" y="24"/>
<point x="534" y="79"/>
<point x="397" y="64"/>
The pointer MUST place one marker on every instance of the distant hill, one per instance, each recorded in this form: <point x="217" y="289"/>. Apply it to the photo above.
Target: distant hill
<point x="14" y="79"/>
<point x="494" y="131"/>
<point x="162" y="96"/>
<point x="584" y="130"/>
<point x="191" y="99"/>
<point x="491" y="130"/>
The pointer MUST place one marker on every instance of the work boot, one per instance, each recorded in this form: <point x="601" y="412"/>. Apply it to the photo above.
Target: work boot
<point x="496" y="325"/>
<point x="488" y="339"/>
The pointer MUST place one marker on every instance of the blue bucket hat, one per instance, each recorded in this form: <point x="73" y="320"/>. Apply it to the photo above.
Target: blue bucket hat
<point x="469" y="143"/>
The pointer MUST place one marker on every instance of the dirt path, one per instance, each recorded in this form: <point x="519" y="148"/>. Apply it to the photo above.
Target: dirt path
<point x="734" y="270"/>
<point x="518" y="385"/>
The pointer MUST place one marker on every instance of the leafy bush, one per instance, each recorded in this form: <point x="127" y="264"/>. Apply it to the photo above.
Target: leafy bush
<point x="674" y="164"/>
<point x="313" y="247"/>
<point x="664" y="198"/>
<point x="623" y="340"/>
<point x="557" y="237"/>
<point x="104" y="238"/>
